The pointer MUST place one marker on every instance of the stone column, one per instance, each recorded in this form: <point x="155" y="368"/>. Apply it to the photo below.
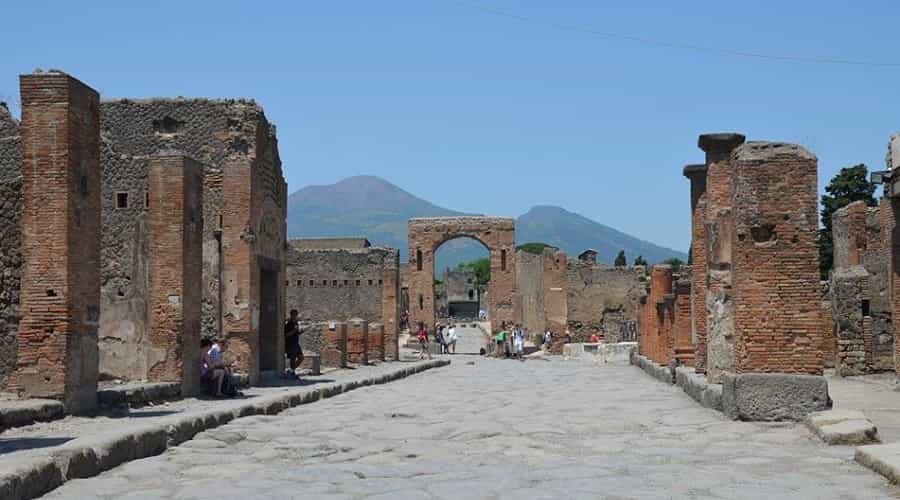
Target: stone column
<point x="358" y="341"/>
<point x="718" y="228"/>
<point x="390" y="307"/>
<point x="683" y="347"/>
<point x="697" y="176"/>
<point x="333" y="352"/>
<point x="778" y="359"/>
<point x="175" y="264"/>
<point x="60" y="292"/>
<point x="660" y="288"/>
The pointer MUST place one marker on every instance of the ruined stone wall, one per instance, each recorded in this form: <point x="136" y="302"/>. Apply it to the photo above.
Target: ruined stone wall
<point x="861" y="292"/>
<point x="657" y="316"/>
<point x="555" y="295"/>
<point x="776" y="259"/>
<point x="238" y="147"/>
<point x="697" y="176"/>
<point x="10" y="240"/>
<point x="338" y="284"/>
<point x="602" y="297"/>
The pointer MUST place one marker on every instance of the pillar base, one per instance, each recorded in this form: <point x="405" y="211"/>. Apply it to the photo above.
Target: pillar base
<point x="773" y="396"/>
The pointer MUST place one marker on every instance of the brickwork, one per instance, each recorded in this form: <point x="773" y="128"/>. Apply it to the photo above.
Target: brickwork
<point x="358" y="341"/>
<point x="57" y="341"/>
<point x="495" y="233"/>
<point x="776" y="259"/>
<point x="334" y="344"/>
<point x="244" y="204"/>
<point x="376" y="342"/>
<point x="719" y="229"/>
<point x="175" y="263"/>
<point x="859" y="284"/>
<point x="682" y="344"/>
<point x="555" y="296"/>
<point x="697" y="176"/>
<point x="891" y="210"/>
<point x="602" y="297"/>
<point x="657" y="317"/>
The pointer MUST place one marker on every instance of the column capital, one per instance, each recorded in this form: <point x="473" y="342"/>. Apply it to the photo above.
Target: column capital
<point x="721" y="142"/>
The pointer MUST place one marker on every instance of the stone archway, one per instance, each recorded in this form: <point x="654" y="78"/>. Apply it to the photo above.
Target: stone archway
<point x="498" y="234"/>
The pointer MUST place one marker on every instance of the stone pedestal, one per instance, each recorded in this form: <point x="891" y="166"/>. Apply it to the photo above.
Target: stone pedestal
<point x="376" y="342"/>
<point x="334" y="344"/>
<point x="358" y="341"/>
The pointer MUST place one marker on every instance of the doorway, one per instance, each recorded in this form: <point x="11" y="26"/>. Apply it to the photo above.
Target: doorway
<point x="268" y="320"/>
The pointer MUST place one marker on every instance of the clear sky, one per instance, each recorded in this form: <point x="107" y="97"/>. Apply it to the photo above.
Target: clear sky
<point x="490" y="113"/>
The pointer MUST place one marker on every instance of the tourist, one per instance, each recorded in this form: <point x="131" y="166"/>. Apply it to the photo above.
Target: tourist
<point x="567" y="338"/>
<point x="518" y="338"/>
<point x="423" y="342"/>
<point x="501" y="341"/>
<point x="451" y="339"/>
<point x="211" y="376"/>
<point x="594" y="337"/>
<point x="548" y="338"/>
<point x="216" y="361"/>
<point x="439" y="338"/>
<point x="292" y="342"/>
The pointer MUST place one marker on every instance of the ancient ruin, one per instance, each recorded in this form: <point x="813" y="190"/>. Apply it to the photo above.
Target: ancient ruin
<point x="495" y="233"/>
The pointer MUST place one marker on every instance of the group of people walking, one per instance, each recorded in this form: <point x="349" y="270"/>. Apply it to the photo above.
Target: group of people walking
<point x="510" y="344"/>
<point x="445" y="337"/>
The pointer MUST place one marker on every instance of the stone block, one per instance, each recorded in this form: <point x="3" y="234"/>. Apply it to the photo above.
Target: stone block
<point x="881" y="458"/>
<point x="376" y="342"/>
<point x="773" y="396"/>
<point x="696" y="386"/>
<point x="18" y="413"/>
<point x="334" y="344"/>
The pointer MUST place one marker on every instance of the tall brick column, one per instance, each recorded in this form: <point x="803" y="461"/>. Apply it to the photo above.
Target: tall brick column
<point x="776" y="281"/>
<point x="719" y="229"/>
<point x="390" y="308"/>
<point x="556" y="308"/>
<point x="683" y="348"/>
<point x="175" y="264"/>
<point x="661" y="326"/>
<point x="60" y="293"/>
<point x="697" y="176"/>
<point x="376" y="342"/>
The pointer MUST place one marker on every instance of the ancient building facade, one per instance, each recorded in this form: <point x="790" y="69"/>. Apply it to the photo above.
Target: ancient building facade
<point x="497" y="234"/>
<point x="336" y="284"/>
<point x="244" y="213"/>
<point x="860" y="293"/>
<point x="461" y="294"/>
<point x="10" y="240"/>
<point x="554" y="292"/>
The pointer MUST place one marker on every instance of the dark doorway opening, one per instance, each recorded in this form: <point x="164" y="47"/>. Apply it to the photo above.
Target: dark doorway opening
<point x="268" y="320"/>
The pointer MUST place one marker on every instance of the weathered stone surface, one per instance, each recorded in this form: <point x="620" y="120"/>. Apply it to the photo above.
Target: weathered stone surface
<point x="139" y="394"/>
<point x="845" y="427"/>
<point x="661" y="373"/>
<point x="773" y="396"/>
<point x="881" y="458"/>
<point x="28" y="411"/>
<point x="697" y="387"/>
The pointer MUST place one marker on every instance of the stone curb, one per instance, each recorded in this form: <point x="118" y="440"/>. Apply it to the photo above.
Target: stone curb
<point x="661" y="373"/>
<point x="847" y="427"/>
<point x="35" y="476"/>
<point x="30" y="411"/>
<point x="881" y="458"/>
<point x="696" y="386"/>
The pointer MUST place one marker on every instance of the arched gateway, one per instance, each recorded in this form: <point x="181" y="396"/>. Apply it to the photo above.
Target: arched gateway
<point x="497" y="234"/>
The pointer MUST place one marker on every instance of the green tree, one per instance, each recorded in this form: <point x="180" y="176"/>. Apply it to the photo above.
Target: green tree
<point x="620" y="259"/>
<point x="639" y="261"/>
<point x="535" y="247"/>
<point x="675" y="262"/>
<point x="482" y="268"/>
<point x="849" y="185"/>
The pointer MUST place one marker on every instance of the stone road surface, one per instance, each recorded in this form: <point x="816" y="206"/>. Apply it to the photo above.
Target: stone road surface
<point x="498" y="429"/>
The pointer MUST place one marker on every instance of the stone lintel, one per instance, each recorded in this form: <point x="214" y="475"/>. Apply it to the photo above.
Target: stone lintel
<point x="694" y="171"/>
<point x="722" y="142"/>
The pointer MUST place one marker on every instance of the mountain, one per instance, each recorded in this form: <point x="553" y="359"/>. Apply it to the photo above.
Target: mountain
<point x="373" y="207"/>
<point x="575" y="233"/>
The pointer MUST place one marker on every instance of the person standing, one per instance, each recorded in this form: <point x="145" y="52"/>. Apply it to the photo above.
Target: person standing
<point x="451" y="339"/>
<point x="594" y="337"/>
<point x="439" y="338"/>
<point x="548" y="338"/>
<point x="518" y="343"/>
<point x="423" y="342"/>
<point x="501" y="341"/>
<point x="292" y="341"/>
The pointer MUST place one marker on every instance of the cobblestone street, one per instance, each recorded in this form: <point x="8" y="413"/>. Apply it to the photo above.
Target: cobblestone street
<point x="483" y="428"/>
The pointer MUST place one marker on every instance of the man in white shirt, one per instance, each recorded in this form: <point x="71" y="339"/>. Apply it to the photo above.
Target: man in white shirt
<point x="451" y="339"/>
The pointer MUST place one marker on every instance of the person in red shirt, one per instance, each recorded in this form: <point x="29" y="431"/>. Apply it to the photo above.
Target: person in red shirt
<point x="594" y="337"/>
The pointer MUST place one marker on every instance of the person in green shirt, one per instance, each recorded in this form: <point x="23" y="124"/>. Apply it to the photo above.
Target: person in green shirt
<point x="501" y="340"/>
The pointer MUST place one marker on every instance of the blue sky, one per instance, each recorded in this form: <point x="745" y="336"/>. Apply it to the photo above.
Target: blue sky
<point x="488" y="113"/>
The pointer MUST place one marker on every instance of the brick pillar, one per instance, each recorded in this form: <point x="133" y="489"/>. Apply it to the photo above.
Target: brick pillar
<point x="660" y="290"/>
<point x="358" y="341"/>
<point x="556" y="311"/>
<point x="333" y="352"/>
<point x="175" y="264"/>
<point x="719" y="229"/>
<point x="697" y="176"/>
<point x="376" y="342"/>
<point x="683" y="346"/>
<point x="390" y="308"/>
<point x="60" y="294"/>
<point x="776" y="280"/>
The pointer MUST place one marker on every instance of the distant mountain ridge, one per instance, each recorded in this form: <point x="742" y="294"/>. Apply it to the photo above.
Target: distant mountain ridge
<point x="373" y="207"/>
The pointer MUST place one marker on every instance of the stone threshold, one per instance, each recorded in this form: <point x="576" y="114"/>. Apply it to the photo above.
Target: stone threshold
<point x="31" y="477"/>
<point x="19" y="413"/>
<point x="753" y="397"/>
